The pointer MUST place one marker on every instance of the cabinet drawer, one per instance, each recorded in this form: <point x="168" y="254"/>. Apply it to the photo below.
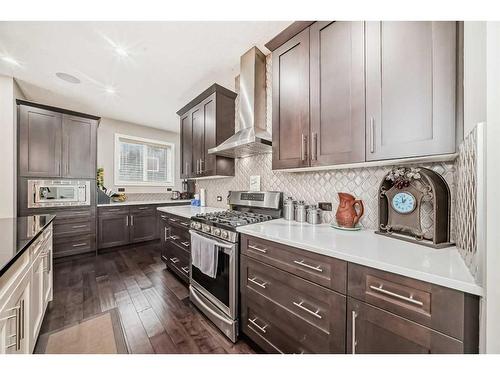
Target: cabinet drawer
<point x="74" y="245"/>
<point x="317" y="305"/>
<point x="179" y="221"/>
<point x="75" y="227"/>
<point x="113" y="210"/>
<point x="180" y="236"/>
<point x="303" y="336"/>
<point x="375" y="331"/>
<point x="143" y="210"/>
<point x="320" y="269"/>
<point x="434" y="306"/>
<point x="177" y="260"/>
<point x="63" y="215"/>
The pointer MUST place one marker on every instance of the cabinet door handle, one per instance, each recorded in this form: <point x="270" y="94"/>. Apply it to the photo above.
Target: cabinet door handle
<point x="354" y="342"/>
<point x="131" y="220"/>
<point x="302" y="307"/>
<point x="315" y="146"/>
<point x="174" y="260"/>
<point x="264" y="251"/>
<point x="372" y="135"/>
<point x="127" y="221"/>
<point x="18" y="327"/>
<point x="254" y="280"/>
<point x="165" y="233"/>
<point x="303" y="148"/>
<point x="201" y="165"/>
<point x="304" y="264"/>
<point x="409" y="299"/>
<point x="262" y="329"/>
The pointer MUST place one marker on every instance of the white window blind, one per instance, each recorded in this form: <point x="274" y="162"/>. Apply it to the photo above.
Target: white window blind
<point x="140" y="161"/>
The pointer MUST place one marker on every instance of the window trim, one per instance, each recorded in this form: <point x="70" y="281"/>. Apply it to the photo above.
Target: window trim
<point x="170" y="167"/>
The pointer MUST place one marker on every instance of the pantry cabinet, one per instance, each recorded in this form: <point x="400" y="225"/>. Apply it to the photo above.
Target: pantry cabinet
<point x="205" y="122"/>
<point x="410" y="88"/>
<point x="348" y="92"/>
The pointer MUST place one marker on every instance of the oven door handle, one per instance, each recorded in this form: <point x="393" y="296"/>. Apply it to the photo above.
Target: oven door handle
<point x="217" y="243"/>
<point x="208" y="309"/>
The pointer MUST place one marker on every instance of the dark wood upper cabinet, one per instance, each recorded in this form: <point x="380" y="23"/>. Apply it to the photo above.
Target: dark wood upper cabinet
<point x="54" y="142"/>
<point x="187" y="146"/>
<point x="79" y="149"/>
<point x="39" y="139"/>
<point x="291" y="103"/>
<point x="337" y="93"/>
<point x="349" y="91"/>
<point x="410" y="89"/>
<point x="205" y="122"/>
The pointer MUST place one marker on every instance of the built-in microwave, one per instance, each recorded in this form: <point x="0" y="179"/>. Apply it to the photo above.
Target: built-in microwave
<point x="58" y="193"/>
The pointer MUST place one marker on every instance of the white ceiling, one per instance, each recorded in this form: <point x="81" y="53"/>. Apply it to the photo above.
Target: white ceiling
<point x="168" y="63"/>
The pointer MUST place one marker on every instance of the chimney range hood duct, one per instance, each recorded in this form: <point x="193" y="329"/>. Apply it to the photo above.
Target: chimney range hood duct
<point x="252" y="138"/>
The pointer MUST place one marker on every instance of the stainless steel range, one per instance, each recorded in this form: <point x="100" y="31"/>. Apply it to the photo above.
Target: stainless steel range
<point x="216" y="294"/>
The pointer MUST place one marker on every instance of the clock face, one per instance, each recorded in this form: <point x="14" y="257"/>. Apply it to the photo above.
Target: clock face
<point x="404" y="202"/>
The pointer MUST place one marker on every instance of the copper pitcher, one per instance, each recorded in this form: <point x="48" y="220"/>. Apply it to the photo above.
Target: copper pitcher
<point x="346" y="215"/>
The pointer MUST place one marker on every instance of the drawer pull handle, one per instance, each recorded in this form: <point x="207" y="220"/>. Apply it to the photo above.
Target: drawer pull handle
<point x="304" y="264"/>
<point x="173" y="220"/>
<point x="80" y="244"/>
<point x="174" y="260"/>
<point x="143" y="208"/>
<point x="78" y="226"/>
<point x="410" y="299"/>
<point x="253" y="280"/>
<point x="184" y="223"/>
<point x="173" y="237"/>
<point x="301" y="306"/>
<point x="185" y="243"/>
<point x="262" y="329"/>
<point x="113" y="210"/>
<point x="163" y="216"/>
<point x="264" y="251"/>
<point x="186" y="269"/>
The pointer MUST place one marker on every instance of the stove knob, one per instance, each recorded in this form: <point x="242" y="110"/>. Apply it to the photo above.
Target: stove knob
<point x="216" y="231"/>
<point x="224" y="234"/>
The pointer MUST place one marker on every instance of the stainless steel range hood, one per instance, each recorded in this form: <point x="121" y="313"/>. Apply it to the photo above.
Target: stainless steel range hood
<point x="252" y="138"/>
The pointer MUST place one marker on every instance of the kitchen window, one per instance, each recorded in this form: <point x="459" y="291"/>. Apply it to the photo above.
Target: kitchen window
<point x="140" y="161"/>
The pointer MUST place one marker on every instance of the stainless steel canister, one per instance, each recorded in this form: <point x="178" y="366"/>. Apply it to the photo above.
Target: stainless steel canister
<point x="288" y="209"/>
<point x="313" y="214"/>
<point x="300" y="211"/>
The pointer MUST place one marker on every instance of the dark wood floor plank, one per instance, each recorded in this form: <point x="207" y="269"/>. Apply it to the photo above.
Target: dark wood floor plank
<point x="150" y="322"/>
<point x="105" y="293"/>
<point x="134" y="330"/>
<point x="140" y="302"/>
<point x="91" y="303"/>
<point x="162" y="344"/>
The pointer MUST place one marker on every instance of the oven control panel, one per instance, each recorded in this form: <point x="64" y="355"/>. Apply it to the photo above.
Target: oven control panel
<point x="214" y="231"/>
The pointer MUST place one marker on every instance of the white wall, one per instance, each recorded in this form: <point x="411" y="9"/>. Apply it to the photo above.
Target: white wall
<point x="492" y="188"/>
<point x="8" y="147"/>
<point x="474" y="74"/>
<point x="106" y="145"/>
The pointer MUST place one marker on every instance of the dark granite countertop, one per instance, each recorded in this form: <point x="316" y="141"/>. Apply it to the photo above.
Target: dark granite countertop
<point x="17" y="234"/>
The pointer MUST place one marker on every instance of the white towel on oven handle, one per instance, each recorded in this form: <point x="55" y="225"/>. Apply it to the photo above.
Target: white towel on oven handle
<point x="204" y="253"/>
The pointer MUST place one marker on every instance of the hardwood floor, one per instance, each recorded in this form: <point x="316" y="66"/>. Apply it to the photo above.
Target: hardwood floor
<point x="154" y="307"/>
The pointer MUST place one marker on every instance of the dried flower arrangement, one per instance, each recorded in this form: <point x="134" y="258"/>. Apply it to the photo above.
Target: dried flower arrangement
<point x="402" y="176"/>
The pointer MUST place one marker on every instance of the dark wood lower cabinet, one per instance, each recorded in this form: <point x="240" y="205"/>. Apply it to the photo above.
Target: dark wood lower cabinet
<point x="113" y="230"/>
<point x="371" y="330"/>
<point x="143" y="227"/>
<point x="284" y="310"/>
<point x="176" y="244"/>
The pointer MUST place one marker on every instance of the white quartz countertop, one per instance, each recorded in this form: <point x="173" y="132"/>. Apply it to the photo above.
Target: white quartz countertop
<point x="188" y="211"/>
<point x="443" y="267"/>
<point x="132" y="203"/>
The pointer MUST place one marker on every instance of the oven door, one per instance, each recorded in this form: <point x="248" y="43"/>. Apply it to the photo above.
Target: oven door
<point x="222" y="290"/>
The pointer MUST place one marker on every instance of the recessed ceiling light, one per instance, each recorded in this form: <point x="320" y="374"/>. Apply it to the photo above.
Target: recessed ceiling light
<point x="10" y="60"/>
<point x="110" y="90"/>
<point x="121" y="51"/>
<point x="67" y="77"/>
